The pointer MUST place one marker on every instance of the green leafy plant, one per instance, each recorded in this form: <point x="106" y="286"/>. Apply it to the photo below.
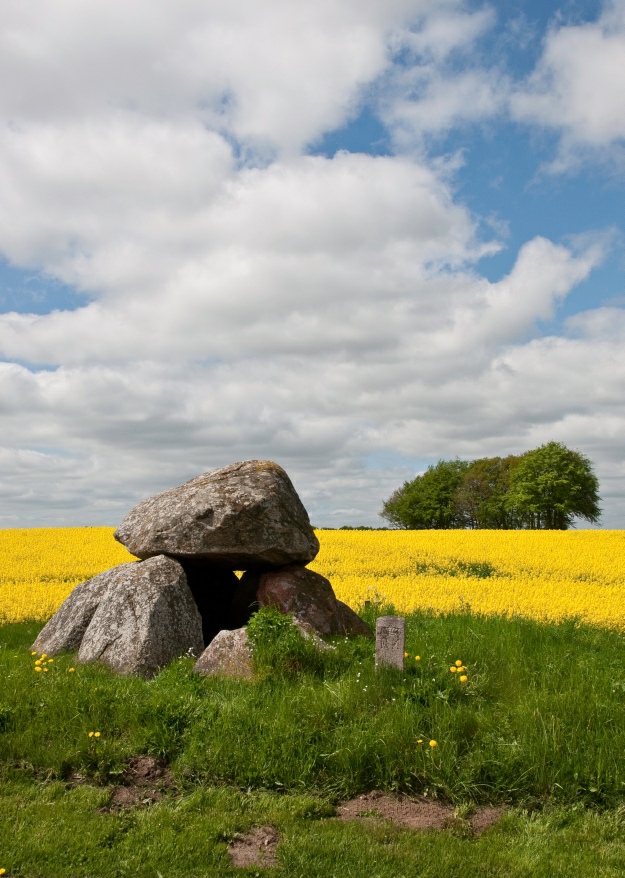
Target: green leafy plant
<point x="278" y="646"/>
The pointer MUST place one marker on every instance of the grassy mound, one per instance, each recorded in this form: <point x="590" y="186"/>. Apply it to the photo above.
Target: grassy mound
<point x="537" y="725"/>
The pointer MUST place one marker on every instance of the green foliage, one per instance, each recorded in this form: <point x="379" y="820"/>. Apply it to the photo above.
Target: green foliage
<point x="546" y="488"/>
<point x="481" y="500"/>
<point x="278" y="646"/>
<point x="427" y="502"/>
<point x="551" y="485"/>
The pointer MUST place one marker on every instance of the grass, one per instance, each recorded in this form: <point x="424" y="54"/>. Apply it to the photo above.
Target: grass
<point x="538" y="726"/>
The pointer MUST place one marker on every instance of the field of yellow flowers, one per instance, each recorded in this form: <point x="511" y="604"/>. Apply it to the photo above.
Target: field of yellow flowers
<point x="546" y="575"/>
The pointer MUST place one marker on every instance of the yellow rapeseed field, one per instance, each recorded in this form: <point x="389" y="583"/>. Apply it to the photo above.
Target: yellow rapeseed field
<point x="548" y="575"/>
<point x="40" y="566"/>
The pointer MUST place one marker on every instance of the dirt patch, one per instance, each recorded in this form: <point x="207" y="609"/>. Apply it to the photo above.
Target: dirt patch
<point x="418" y="813"/>
<point x="256" y="848"/>
<point x="145" y="780"/>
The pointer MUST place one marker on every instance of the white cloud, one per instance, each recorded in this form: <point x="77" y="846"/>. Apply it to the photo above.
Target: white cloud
<point x="276" y="74"/>
<point x="577" y="87"/>
<point x="246" y="300"/>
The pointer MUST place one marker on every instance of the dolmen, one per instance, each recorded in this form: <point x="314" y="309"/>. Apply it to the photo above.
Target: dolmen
<point x="183" y="596"/>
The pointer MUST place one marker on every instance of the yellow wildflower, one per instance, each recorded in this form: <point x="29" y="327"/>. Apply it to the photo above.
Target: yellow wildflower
<point x="433" y="744"/>
<point x="420" y="741"/>
<point x="453" y="669"/>
<point x="71" y="670"/>
<point x="417" y="658"/>
<point x="38" y="669"/>
<point x="464" y="678"/>
<point x="458" y="663"/>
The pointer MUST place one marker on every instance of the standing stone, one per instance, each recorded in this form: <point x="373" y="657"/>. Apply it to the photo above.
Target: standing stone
<point x="246" y="516"/>
<point x="146" y="618"/>
<point x="66" y="629"/>
<point x="390" y="637"/>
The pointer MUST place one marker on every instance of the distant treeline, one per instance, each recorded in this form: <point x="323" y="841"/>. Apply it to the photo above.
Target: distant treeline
<point x="546" y="488"/>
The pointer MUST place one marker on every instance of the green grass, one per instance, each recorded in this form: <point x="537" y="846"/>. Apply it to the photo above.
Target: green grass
<point x="538" y="727"/>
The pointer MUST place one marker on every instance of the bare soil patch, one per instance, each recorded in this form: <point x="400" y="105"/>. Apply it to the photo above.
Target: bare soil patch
<point x="255" y="848"/>
<point x="420" y="813"/>
<point x="145" y="780"/>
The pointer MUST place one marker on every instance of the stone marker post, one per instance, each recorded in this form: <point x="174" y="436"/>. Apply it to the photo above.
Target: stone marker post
<point x="390" y="636"/>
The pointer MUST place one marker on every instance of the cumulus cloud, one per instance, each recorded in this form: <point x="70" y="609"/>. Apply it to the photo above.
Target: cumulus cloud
<point x="577" y="88"/>
<point x="244" y="299"/>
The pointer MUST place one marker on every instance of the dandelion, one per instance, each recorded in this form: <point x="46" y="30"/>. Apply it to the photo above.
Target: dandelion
<point x="458" y="664"/>
<point x="420" y="741"/>
<point x="50" y="661"/>
<point x="91" y="734"/>
<point x="44" y="655"/>
<point x="2" y="871"/>
<point x="433" y="744"/>
<point x="96" y="734"/>
<point x="71" y="670"/>
<point x="453" y="669"/>
<point x="463" y="678"/>
<point x="417" y="658"/>
<point x="38" y="662"/>
<point x="34" y="652"/>
<point x="45" y="669"/>
<point x="38" y="669"/>
<point x="405" y="655"/>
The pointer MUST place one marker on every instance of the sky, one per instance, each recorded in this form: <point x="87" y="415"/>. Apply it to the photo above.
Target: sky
<point x="353" y="236"/>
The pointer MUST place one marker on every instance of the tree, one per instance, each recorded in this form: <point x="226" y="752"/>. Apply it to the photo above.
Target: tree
<point x="553" y="485"/>
<point x="427" y="502"/>
<point x="481" y="498"/>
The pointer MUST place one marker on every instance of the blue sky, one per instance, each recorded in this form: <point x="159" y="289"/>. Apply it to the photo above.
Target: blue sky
<point x="354" y="238"/>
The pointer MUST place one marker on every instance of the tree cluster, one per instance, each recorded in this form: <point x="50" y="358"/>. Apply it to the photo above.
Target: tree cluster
<point x="546" y="488"/>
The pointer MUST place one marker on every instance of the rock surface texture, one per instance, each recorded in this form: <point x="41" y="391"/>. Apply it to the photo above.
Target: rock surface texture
<point x="141" y="617"/>
<point x="297" y="591"/>
<point x="246" y="516"/>
<point x="229" y="654"/>
<point x="184" y="594"/>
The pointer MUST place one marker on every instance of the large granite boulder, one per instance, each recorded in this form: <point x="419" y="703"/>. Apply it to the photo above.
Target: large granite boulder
<point x="307" y="596"/>
<point x="246" y="516"/>
<point x="65" y="630"/>
<point x="134" y="618"/>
